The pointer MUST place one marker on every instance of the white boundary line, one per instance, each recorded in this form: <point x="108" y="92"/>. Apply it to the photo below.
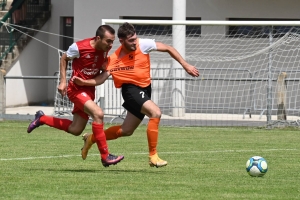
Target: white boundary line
<point x="195" y="152"/>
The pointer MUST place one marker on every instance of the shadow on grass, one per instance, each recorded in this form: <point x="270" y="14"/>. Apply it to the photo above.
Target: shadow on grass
<point x="106" y="170"/>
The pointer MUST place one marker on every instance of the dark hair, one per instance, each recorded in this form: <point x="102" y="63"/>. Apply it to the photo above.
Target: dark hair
<point x="102" y="29"/>
<point x="126" y="30"/>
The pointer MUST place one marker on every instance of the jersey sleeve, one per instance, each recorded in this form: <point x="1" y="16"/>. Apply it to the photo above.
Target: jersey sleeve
<point x="147" y="45"/>
<point x="73" y="51"/>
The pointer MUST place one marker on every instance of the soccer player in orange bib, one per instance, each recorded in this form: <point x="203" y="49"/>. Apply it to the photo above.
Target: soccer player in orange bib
<point x="88" y="56"/>
<point x="129" y="66"/>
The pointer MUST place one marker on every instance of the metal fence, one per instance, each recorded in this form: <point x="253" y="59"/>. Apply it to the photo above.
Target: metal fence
<point x="214" y="93"/>
<point x="210" y="94"/>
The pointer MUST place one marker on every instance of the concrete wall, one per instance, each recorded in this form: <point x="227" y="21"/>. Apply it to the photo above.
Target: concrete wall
<point x="31" y="62"/>
<point x="62" y="8"/>
<point x="39" y="59"/>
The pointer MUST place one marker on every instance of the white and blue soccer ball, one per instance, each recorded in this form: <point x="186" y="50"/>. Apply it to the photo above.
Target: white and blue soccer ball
<point x="256" y="166"/>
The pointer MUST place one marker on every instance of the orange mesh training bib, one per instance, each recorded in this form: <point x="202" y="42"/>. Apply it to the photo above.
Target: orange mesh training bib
<point x="133" y="68"/>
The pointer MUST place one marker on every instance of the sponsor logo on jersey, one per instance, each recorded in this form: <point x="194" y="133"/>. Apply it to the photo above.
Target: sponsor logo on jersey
<point x="122" y="68"/>
<point x="88" y="56"/>
<point x="89" y="72"/>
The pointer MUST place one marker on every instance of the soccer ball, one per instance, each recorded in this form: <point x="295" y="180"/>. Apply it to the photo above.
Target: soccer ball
<point x="256" y="166"/>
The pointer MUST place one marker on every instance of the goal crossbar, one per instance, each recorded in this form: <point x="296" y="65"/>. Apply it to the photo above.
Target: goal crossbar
<point x="203" y="22"/>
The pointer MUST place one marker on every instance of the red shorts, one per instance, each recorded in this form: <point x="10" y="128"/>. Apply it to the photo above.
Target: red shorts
<point x="79" y="98"/>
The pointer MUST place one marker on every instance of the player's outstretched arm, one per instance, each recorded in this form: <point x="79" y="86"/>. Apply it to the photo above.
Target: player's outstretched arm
<point x="98" y="80"/>
<point x="190" y="69"/>
<point x="62" y="87"/>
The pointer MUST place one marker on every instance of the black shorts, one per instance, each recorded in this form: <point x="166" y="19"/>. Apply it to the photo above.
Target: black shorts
<point x="134" y="98"/>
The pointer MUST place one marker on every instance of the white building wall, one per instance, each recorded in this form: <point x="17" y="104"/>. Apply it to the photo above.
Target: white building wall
<point x="113" y="9"/>
<point x="31" y="62"/>
<point x="60" y="8"/>
<point x="39" y="60"/>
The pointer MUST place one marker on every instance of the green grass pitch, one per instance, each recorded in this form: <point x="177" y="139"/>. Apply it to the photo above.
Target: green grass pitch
<point x="203" y="163"/>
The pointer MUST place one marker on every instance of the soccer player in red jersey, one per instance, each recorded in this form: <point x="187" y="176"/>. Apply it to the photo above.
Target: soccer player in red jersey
<point x="129" y="66"/>
<point x="88" y="56"/>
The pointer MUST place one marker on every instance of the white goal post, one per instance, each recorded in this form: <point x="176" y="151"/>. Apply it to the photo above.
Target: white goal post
<point x="241" y="64"/>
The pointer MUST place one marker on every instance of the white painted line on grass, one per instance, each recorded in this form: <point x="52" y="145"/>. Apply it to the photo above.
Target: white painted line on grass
<point x="143" y="153"/>
<point x="42" y="157"/>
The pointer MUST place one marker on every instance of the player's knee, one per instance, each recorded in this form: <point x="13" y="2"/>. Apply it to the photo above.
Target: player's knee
<point x="77" y="133"/>
<point x="156" y="114"/>
<point x="127" y="132"/>
<point x="98" y="115"/>
<point x="75" y="130"/>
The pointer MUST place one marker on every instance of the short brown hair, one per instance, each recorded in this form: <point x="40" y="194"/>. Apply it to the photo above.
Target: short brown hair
<point x="102" y="29"/>
<point x="126" y="30"/>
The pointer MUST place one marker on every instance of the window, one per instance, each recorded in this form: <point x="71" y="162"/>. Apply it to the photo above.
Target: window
<point x="259" y="31"/>
<point x="191" y="30"/>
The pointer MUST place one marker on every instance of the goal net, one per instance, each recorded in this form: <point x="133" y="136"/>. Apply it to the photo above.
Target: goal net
<point x="249" y="73"/>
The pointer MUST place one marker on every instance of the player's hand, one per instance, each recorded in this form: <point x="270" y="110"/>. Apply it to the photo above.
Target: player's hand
<point x="192" y="70"/>
<point x="104" y="65"/>
<point x="62" y="88"/>
<point x="77" y="80"/>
